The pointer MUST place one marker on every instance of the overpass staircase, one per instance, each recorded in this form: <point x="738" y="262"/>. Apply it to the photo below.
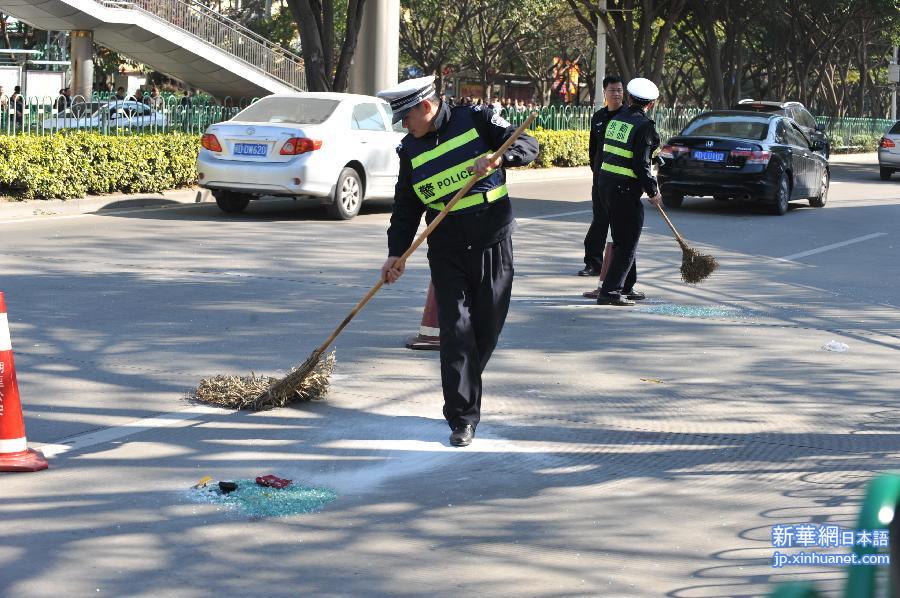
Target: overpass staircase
<point x="184" y="39"/>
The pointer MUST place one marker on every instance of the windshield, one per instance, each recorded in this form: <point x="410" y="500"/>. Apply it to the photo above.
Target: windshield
<point x="735" y="127"/>
<point x="307" y="111"/>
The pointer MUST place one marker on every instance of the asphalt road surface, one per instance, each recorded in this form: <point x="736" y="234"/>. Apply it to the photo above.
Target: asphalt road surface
<point x="642" y="451"/>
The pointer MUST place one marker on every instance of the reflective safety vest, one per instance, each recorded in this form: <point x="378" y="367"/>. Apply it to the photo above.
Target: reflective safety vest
<point x="440" y="165"/>
<point x="618" y="144"/>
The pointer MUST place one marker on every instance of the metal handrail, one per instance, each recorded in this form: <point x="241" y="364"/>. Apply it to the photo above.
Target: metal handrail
<point x="209" y="26"/>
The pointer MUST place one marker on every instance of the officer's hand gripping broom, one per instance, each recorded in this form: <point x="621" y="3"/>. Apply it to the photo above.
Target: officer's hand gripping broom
<point x="310" y="379"/>
<point x="695" y="266"/>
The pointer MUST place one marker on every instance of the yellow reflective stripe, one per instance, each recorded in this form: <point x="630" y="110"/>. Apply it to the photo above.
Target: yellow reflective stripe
<point x="496" y="193"/>
<point x="466" y="202"/>
<point x="617" y="151"/>
<point x="443" y="148"/>
<point x="618" y="170"/>
<point x="447" y="181"/>
<point x="473" y="200"/>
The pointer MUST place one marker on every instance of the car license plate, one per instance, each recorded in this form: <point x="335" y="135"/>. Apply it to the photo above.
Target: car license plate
<point x="250" y="149"/>
<point x="708" y="156"/>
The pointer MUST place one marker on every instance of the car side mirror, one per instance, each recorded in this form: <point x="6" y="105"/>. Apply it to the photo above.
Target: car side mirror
<point x="817" y="145"/>
<point x="820" y="127"/>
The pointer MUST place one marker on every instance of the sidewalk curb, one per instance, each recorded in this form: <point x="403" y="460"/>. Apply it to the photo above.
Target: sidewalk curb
<point x="527" y="175"/>
<point x="94" y="203"/>
<point x="865" y="158"/>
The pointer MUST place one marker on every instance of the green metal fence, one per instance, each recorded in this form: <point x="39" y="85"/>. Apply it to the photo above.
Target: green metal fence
<point x="166" y="113"/>
<point x="670" y="121"/>
<point x="845" y="132"/>
<point x="105" y="114"/>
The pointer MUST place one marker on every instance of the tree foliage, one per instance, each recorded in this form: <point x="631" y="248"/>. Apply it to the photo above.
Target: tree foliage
<point x="430" y="33"/>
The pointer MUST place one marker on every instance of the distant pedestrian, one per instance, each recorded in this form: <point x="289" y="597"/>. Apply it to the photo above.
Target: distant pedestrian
<point x="154" y="100"/>
<point x="18" y="102"/>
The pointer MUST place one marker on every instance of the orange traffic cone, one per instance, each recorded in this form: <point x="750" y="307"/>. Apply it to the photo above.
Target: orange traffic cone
<point x="429" y="337"/>
<point x="14" y="452"/>
<point x="604" y="268"/>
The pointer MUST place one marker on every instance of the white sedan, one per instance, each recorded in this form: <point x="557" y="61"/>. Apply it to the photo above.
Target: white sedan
<point x="340" y="148"/>
<point x="118" y="114"/>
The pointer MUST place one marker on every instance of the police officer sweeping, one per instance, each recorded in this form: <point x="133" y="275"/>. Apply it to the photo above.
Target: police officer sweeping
<point x="628" y="146"/>
<point x="470" y="252"/>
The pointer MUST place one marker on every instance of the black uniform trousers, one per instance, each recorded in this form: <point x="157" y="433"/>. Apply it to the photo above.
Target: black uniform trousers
<point x="472" y="288"/>
<point x="626" y="219"/>
<point x="595" y="239"/>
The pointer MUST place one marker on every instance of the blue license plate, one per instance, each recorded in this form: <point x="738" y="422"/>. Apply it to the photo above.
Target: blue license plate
<point x="250" y="149"/>
<point x="708" y="156"/>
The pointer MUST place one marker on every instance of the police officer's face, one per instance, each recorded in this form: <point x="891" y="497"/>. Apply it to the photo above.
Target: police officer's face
<point x="418" y="120"/>
<point x="614" y="94"/>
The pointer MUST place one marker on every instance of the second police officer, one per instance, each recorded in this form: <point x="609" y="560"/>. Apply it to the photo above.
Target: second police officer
<point x="629" y="144"/>
<point x="595" y="239"/>
<point x="470" y="251"/>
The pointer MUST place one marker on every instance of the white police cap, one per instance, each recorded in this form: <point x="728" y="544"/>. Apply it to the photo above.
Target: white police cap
<point x="407" y="94"/>
<point x="643" y="89"/>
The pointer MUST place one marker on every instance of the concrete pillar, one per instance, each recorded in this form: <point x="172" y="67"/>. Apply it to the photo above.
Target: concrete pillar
<point x="376" y="63"/>
<point x="81" y="53"/>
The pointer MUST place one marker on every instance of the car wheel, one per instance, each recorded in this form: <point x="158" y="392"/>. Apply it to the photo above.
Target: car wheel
<point x="672" y="200"/>
<point x="820" y="200"/>
<point x="782" y="195"/>
<point x="348" y="195"/>
<point x="886" y="173"/>
<point x="231" y="202"/>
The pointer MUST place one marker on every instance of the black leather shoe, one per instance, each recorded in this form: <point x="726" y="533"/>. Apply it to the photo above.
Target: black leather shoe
<point x="617" y="301"/>
<point x="589" y="271"/>
<point x="633" y="295"/>
<point x="462" y="435"/>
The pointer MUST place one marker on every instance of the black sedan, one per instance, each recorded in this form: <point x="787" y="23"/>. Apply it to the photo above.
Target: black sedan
<point x="738" y="155"/>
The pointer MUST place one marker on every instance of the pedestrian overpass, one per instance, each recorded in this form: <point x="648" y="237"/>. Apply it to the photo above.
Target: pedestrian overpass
<point x="181" y="38"/>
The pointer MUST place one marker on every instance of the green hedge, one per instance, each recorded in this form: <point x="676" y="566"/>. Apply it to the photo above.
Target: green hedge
<point x="561" y="148"/>
<point x="74" y="164"/>
<point x="857" y="144"/>
<point x="71" y="165"/>
<point x="570" y="148"/>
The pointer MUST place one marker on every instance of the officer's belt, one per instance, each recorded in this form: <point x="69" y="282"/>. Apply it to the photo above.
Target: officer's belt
<point x="473" y="200"/>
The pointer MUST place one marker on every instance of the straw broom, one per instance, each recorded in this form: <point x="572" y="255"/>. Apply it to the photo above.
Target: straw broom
<point x="695" y="266"/>
<point x="310" y="379"/>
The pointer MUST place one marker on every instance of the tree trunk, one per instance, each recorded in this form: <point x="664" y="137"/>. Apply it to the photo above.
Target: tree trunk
<point x="328" y="35"/>
<point x="316" y="24"/>
<point x="863" y="73"/>
<point x="348" y="48"/>
<point x="313" y="52"/>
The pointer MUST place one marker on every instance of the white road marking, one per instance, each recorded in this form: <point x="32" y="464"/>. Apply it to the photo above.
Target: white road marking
<point x="133" y="427"/>
<point x="795" y="256"/>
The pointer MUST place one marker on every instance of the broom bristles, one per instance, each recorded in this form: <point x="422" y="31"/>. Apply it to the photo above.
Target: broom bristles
<point x="307" y="382"/>
<point x="695" y="266"/>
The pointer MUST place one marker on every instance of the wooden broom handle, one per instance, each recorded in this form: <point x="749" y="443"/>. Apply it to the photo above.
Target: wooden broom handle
<point x="424" y="235"/>
<point x="669" y="222"/>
